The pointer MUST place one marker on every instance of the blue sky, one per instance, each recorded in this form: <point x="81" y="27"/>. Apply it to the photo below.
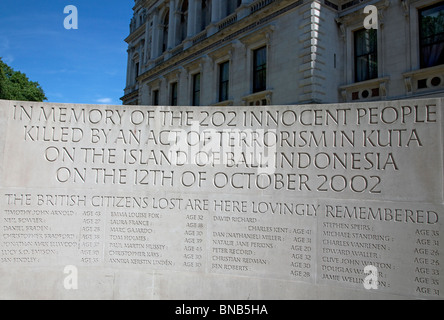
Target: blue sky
<point x="87" y="65"/>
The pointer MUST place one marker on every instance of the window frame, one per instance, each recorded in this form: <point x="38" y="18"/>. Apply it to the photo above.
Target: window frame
<point x="183" y="21"/>
<point x="174" y="93"/>
<point x="137" y="67"/>
<point x="224" y="83"/>
<point x="156" y="97"/>
<point x="422" y="63"/>
<point x="257" y="69"/>
<point x="232" y="6"/>
<point x="196" y="93"/>
<point x="368" y="54"/>
<point x="205" y="14"/>
<point x="165" y="31"/>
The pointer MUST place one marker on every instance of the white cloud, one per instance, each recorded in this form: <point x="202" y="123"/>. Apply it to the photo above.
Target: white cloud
<point x="104" y="100"/>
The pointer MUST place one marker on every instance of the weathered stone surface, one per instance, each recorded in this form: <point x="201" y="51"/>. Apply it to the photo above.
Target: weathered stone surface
<point x="248" y="202"/>
<point x="3" y="127"/>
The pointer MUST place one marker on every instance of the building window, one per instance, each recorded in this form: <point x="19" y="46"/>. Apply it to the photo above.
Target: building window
<point x="196" y="89"/>
<point x="155" y="97"/>
<point x="137" y="70"/>
<point x="183" y="25"/>
<point x="205" y="14"/>
<point x="260" y="69"/>
<point x="166" y="23"/>
<point x="224" y="81"/>
<point x="232" y="5"/>
<point x="366" y="54"/>
<point x="431" y="25"/>
<point x="173" y="100"/>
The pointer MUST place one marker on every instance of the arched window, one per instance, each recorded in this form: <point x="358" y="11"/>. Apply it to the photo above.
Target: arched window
<point x="183" y="23"/>
<point x="205" y="14"/>
<point x="165" y="26"/>
<point x="232" y="5"/>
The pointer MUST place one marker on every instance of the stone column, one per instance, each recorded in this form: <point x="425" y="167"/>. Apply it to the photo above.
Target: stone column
<point x="155" y="36"/>
<point x="198" y="17"/>
<point x="311" y="55"/>
<point x="215" y="11"/>
<point x="172" y="26"/>
<point x="192" y="22"/>
<point x="147" y="40"/>
<point x="128" y="69"/>
<point x="215" y="16"/>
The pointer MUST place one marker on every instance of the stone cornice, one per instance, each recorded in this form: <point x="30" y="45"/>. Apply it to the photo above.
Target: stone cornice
<point x="137" y="33"/>
<point x="129" y="96"/>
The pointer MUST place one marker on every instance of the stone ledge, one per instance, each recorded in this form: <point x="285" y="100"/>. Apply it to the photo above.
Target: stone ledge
<point x="370" y="90"/>
<point x="424" y="80"/>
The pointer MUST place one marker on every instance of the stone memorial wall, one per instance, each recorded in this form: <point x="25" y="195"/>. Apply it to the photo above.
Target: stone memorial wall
<point x="287" y="202"/>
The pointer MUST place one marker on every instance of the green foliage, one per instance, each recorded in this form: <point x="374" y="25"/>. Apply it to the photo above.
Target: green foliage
<point x="15" y="85"/>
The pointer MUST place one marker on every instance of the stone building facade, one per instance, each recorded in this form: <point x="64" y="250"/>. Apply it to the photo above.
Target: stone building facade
<point x="263" y="52"/>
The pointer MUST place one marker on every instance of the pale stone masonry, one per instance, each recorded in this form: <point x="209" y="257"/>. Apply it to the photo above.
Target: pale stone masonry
<point x="225" y="203"/>
<point x="315" y="52"/>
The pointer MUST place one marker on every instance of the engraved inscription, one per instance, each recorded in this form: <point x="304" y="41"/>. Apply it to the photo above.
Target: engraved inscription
<point x="300" y="194"/>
